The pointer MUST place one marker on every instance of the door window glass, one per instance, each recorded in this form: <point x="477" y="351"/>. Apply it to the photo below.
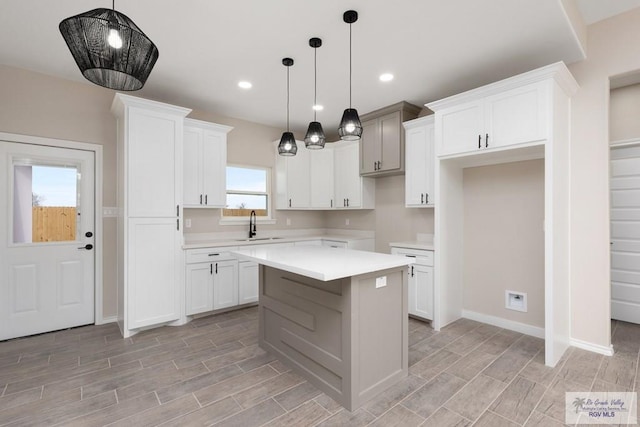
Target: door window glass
<point x="45" y="200"/>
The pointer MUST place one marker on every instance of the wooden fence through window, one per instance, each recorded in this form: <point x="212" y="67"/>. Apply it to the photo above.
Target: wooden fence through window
<point x="53" y="224"/>
<point x="243" y="212"/>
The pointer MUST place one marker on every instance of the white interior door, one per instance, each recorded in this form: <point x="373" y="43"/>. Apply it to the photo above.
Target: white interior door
<point x="625" y="233"/>
<point x="46" y="238"/>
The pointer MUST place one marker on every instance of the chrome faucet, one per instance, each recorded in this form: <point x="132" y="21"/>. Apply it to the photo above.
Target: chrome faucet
<point x="252" y="224"/>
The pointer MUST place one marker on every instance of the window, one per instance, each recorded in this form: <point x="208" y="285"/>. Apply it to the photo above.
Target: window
<point x="247" y="190"/>
<point x="44" y="203"/>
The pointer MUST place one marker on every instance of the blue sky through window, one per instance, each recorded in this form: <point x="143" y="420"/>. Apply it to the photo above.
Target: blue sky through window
<point x="55" y="185"/>
<point x="246" y="180"/>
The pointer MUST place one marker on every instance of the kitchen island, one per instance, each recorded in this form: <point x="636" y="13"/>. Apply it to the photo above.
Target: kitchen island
<point x="336" y="316"/>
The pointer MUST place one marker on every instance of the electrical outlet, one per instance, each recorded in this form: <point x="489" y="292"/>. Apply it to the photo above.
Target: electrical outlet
<point x="187" y="223"/>
<point x="346" y="221"/>
<point x="381" y="282"/>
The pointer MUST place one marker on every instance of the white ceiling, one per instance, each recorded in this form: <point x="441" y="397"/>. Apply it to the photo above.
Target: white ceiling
<point x="434" y="48"/>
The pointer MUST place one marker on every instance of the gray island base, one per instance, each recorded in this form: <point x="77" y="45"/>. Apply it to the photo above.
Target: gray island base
<point x="348" y="335"/>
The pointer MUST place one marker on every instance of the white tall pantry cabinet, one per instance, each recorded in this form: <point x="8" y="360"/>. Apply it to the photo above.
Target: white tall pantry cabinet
<point x="150" y="138"/>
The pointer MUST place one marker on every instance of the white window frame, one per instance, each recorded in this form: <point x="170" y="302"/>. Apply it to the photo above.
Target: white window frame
<point x="242" y="220"/>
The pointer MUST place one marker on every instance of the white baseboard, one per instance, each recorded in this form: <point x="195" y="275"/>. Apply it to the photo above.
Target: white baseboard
<point x="511" y="325"/>
<point x="104" y="320"/>
<point x="596" y="348"/>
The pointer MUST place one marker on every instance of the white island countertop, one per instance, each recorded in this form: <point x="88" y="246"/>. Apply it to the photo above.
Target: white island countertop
<point x="322" y="263"/>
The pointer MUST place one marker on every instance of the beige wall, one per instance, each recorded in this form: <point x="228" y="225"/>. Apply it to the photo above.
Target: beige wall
<point x="39" y="105"/>
<point x="249" y="144"/>
<point x="391" y="221"/>
<point x="624" y="114"/>
<point x="504" y="239"/>
<point x="612" y="51"/>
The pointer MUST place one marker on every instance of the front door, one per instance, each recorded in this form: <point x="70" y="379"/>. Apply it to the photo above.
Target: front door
<point x="46" y="238"/>
<point x="625" y="233"/>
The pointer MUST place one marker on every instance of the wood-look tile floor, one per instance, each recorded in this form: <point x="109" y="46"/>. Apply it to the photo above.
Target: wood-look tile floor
<point x="211" y="372"/>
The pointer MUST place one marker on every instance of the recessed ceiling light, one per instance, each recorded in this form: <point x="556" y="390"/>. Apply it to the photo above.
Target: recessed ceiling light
<point x="318" y="107"/>
<point x="386" y="77"/>
<point x="245" y="85"/>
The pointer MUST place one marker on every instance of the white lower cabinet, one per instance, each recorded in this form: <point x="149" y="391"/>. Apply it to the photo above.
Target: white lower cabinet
<point x="421" y="291"/>
<point x="247" y="282"/>
<point x="211" y="280"/>
<point x="225" y="284"/>
<point x="199" y="288"/>
<point x="420" y="283"/>
<point x="334" y="243"/>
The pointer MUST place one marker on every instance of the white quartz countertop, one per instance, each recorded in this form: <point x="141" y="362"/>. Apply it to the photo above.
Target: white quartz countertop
<point x="321" y="262"/>
<point x="266" y="240"/>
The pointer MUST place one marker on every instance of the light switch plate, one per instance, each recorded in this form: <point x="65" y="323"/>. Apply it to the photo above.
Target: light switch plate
<point x="381" y="282"/>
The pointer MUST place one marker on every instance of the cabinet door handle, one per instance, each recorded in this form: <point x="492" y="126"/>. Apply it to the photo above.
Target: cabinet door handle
<point x="201" y="199"/>
<point x="344" y="203"/>
<point x="210" y="268"/>
<point x="216" y="268"/>
<point x="178" y="224"/>
<point x="178" y="211"/>
<point x="379" y="164"/>
<point x="289" y="202"/>
<point x="421" y="198"/>
<point x="331" y="202"/>
<point x="486" y="140"/>
<point x="427" y="198"/>
<point x="412" y="271"/>
<point x="213" y="254"/>
<point x="375" y="166"/>
<point x="206" y="199"/>
<point x="347" y="202"/>
<point x="479" y="141"/>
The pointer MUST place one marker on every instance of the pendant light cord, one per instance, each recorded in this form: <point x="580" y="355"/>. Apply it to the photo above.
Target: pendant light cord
<point x="113" y="4"/>
<point x="350" y="71"/>
<point x="315" y="82"/>
<point x="287" y="98"/>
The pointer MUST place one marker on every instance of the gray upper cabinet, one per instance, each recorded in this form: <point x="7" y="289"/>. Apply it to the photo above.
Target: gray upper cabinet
<point x="382" y="143"/>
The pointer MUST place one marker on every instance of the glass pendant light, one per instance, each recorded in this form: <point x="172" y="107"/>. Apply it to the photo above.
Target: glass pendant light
<point x="109" y="48"/>
<point x="287" y="145"/>
<point x="315" y="139"/>
<point x="350" y="126"/>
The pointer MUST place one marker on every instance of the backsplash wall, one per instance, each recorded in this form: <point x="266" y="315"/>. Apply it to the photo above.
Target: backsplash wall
<point x="391" y="220"/>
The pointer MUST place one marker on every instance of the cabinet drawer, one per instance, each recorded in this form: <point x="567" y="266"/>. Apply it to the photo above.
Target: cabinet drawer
<point x="209" y="254"/>
<point x="422" y="257"/>
<point x="334" y="243"/>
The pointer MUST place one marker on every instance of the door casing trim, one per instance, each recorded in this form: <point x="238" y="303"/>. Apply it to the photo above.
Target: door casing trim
<point x="98" y="243"/>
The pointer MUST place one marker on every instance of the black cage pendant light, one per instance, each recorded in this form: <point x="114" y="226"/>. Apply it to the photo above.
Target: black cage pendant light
<point x="315" y="138"/>
<point x="109" y="48"/>
<point x="287" y="145"/>
<point x="350" y="126"/>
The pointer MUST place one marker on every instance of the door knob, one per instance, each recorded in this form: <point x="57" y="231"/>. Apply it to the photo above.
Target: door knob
<point x="88" y="234"/>
<point x="88" y="246"/>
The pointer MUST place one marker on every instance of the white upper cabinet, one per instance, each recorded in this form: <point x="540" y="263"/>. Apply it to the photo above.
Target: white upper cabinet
<point x="205" y="162"/>
<point x="494" y="120"/>
<point x="293" y="179"/>
<point x="322" y="178"/>
<point x="351" y="190"/>
<point x="420" y="162"/>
